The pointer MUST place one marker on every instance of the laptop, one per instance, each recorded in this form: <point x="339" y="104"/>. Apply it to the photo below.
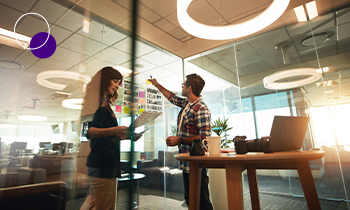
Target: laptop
<point x="287" y="133"/>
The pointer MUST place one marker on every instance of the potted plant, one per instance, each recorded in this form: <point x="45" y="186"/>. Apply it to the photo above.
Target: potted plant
<point x="219" y="126"/>
<point x="217" y="183"/>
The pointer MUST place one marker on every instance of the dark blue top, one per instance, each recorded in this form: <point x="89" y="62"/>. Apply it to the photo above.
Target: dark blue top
<point x="104" y="158"/>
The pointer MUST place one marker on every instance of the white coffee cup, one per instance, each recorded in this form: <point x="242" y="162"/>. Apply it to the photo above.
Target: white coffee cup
<point x="213" y="144"/>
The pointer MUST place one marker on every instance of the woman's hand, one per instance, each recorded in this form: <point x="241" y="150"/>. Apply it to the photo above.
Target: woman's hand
<point x="122" y="131"/>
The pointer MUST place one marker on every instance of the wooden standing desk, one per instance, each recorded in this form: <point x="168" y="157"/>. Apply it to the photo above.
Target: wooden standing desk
<point x="236" y="164"/>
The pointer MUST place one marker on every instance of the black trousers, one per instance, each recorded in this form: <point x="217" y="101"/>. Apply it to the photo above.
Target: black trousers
<point x="204" y="203"/>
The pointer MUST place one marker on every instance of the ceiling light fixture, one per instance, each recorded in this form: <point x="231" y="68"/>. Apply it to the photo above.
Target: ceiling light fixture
<point x="300" y="13"/>
<point x="319" y="39"/>
<point x="32" y="117"/>
<point x="311" y="9"/>
<point x="266" y="18"/>
<point x="9" y="38"/>
<point x="325" y="69"/>
<point x="270" y="81"/>
<point x="72" y="103"/>
<point x="43" y="76"/>
<point x="9" y="64"/>
<point x="8" y="126"/>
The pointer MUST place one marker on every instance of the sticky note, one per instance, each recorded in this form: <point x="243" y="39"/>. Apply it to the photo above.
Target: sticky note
<point x="126" y="110"/>
<point x="141" y="94"/>
<point x="142" y="101"/>
<point x="141" y="110"/>
<point x="148" y="82"/>
<point x="118" y="108"/>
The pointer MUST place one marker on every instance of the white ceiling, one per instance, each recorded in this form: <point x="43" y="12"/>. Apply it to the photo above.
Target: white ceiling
<point x="80" y="52"/>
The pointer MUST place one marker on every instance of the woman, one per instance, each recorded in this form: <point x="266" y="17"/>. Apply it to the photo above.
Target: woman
<point x="104" y="133"/>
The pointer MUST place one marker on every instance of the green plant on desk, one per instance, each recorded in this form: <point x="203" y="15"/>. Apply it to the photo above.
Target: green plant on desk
<point x="220" y="127"/>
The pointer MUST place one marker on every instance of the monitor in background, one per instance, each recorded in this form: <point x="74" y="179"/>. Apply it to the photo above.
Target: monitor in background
<point x="48" y="146"/>
<point x="42" y="144"/>
<point x="16" y="147"/>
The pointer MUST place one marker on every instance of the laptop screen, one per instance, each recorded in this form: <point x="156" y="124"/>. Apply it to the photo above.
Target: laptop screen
<point x="287" y="133"/>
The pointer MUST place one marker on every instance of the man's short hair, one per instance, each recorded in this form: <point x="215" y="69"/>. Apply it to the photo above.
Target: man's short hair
<point x="196" y="82"/>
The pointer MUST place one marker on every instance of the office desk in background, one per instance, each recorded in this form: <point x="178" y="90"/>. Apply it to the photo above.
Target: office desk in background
<point x="236" y="164"/>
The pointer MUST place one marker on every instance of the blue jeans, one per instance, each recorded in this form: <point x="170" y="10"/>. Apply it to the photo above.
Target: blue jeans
<point x="204" y="203"/>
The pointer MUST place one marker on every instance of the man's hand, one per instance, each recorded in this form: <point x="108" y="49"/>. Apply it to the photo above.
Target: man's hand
<point x="173" y="140"/>
<point x="154" y="82"/>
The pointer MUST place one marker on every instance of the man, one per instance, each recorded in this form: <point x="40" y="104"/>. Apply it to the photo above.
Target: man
<point x="193" y="122"/>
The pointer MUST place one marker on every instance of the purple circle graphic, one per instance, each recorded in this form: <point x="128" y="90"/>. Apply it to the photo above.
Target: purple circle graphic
<point x="47" y="49"/>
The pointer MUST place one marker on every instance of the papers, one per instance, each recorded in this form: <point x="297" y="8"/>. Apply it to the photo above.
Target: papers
<point x="146" y="117"/>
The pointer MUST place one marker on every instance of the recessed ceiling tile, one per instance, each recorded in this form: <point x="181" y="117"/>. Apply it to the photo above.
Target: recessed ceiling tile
<point x="75" y="58"/>
<point x="159" y="58"/>
<point x="49" y="10"/>
<point x="71" y="21"/>
<point x="175" y="66"/>
<point x="46" y="63"/>
<point x="163" y="8"/>
<point x="141" y="65"/>
<point x="76" y="42"/>
<point x="112" y="36"/>
<point x="165" y="25"/>
<point x="9" y="53"/>
<point x="203" y="13"/>
<point x="177" y="33"/>
<point x="92" y="48"/>
<point x="19" y="4"/>
<point x="344" y="31"/>
<point x="62" y="66"/>
<point x="124" y="45"/>
<point x="114" y="56"/>
<point x="226" y="64"/>
<point x="8" y="17"/>
<point x="59" y="34"/>
<point x="92" y="63"/>
<point x="141" y="48"/>
<point x="158" y="73"/>
<point x="61" y="53"/>
<point x="149" y="15"/>
<point x="27" y="59"/>
<point x="31" y="25"/>
<point x="270" y="39"/>
<point x="95" y="31"/>
<point x="343" y="16"/>
<point x="231" y="9"/>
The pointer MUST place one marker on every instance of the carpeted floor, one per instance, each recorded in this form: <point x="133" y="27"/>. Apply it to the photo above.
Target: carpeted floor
<point x="275" y="193"/>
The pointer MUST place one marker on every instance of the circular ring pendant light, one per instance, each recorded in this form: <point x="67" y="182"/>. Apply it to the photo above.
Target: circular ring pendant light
<point x="266" y="18"/>
<point x="270" y="81"/>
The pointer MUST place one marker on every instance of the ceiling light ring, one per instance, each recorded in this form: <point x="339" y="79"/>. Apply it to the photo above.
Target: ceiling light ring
<point x="72" y="103"/>
<point x="264" y="19"/>
<point x="48" y="34"/>
<point x="43" y="76"/>
<point x="270" y="81"/>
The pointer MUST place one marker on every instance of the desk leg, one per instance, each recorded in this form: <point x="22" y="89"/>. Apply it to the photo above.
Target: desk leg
<point x="253" y="189"/>
<point x="137" y="191"/>
<point x="307" y="182"/>
<point x="234" y="187"/>
<point x="195" y="181"/>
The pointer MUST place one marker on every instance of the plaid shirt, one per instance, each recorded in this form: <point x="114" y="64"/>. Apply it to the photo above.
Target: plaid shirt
<point x="196" y="121"/>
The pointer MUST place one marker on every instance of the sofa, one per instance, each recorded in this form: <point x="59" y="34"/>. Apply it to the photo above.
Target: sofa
<point x="51" y="168"/>
<point x="163" y="173"/>
<point x="47" y="195"/>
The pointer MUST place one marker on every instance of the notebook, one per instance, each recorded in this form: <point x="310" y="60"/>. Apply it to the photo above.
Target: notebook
<point x="287" y="133"/>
